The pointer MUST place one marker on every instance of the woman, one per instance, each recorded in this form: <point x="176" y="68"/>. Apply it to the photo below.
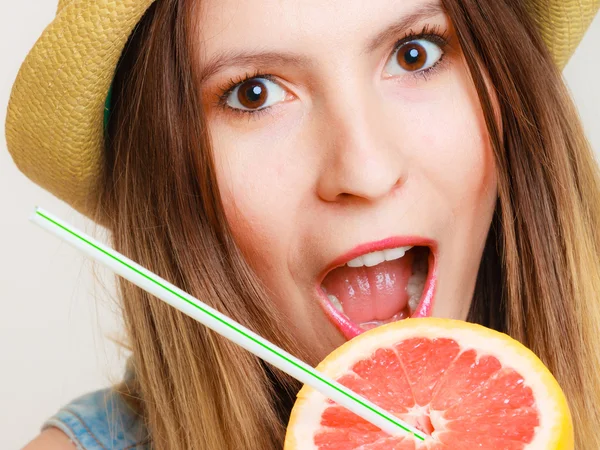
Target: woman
<point x="270" y="157"/>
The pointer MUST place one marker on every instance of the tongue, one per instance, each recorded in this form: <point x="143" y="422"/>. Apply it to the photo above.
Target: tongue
<point x="371" y="293"/>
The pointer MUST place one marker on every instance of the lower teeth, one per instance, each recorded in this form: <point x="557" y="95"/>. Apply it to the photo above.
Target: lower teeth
<point x="416" y="283"/>
<point x="375" y="323"/>
<point x="336" y="303"/>
<point x="415" y="286"/>
<point x="370" y="325"/>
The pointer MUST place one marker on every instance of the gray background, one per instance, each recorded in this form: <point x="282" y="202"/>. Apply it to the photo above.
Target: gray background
<point x="56" y="324"/>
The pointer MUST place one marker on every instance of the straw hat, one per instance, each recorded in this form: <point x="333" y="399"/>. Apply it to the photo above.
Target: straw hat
<point x="54" y="124"/>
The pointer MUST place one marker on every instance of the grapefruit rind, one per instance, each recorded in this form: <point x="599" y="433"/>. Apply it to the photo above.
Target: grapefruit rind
<point x="554" y="432"/>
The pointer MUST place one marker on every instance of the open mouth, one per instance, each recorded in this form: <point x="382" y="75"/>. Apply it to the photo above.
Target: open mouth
<point x="379" y="287"/>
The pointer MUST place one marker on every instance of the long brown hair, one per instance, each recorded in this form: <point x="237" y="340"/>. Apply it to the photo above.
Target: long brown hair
<point x="539" y="278"/>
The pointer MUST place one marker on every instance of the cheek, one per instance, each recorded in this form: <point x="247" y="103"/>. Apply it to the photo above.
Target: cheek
<point x="260" y="195"/>
<point x="461" y="161"/>
<point x="454" y="160"/>
<point x="458" y="172"/>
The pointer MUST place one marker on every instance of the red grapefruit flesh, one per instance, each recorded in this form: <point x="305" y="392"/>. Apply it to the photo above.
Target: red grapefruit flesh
<point x="465" y="386"/>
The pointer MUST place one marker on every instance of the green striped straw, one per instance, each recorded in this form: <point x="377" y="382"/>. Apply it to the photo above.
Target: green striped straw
<point x="223" y="325"/>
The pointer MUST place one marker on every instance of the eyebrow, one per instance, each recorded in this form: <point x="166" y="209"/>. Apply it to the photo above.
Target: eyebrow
<point x="240" y="58"/>
<point x="424" y="12"/>
<point x="251" y="59"/>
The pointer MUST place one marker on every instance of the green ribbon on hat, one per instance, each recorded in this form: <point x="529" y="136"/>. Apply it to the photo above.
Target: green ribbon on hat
<point x="107" y="109"/>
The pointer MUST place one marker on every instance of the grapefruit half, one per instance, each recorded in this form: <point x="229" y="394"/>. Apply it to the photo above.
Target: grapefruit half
<point x="464" y="385"/>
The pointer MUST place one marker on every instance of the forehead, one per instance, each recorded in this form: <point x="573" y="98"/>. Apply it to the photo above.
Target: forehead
<point x="300" y="26"/>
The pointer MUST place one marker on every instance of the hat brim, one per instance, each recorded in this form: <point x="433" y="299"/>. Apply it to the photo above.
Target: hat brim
<point x="55" y="114"/>
<point x="562" y="24"/>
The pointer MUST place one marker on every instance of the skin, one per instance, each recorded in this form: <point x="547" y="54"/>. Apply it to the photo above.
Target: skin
<point x="51" y="439"/>
<point x="351" y="149"/>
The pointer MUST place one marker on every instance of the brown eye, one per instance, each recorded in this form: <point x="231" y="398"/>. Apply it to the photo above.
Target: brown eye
<point x="255" y="94"/>
<point x="414" y="56"/>
<point x="252" y="94"/>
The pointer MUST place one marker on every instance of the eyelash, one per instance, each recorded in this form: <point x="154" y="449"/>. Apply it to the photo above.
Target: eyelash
<point x="433" y="34"/>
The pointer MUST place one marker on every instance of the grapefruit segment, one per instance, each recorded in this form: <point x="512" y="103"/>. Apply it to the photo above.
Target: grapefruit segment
<point x="466" y="374"/>
<point x="424" y="360"/>
<point x="397" y="396"/>
<point x="462" y="384"/>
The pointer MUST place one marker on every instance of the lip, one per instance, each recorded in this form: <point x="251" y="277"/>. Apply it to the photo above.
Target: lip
<point x="425" y="308"/>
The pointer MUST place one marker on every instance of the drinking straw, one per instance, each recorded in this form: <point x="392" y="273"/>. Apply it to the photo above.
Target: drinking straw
<point x="223" y="325"/>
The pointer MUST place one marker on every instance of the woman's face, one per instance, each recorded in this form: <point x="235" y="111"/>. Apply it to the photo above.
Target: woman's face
<point x="353" y="162"/>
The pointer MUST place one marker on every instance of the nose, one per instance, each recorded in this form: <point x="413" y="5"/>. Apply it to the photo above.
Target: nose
<point x="360" y="159"/>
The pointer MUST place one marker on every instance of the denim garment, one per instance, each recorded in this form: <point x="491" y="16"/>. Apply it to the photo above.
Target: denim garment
<point x="101" y="420"/>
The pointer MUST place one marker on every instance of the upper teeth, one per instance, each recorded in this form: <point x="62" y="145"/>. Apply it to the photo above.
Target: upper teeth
<point x="374" y="258"/>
